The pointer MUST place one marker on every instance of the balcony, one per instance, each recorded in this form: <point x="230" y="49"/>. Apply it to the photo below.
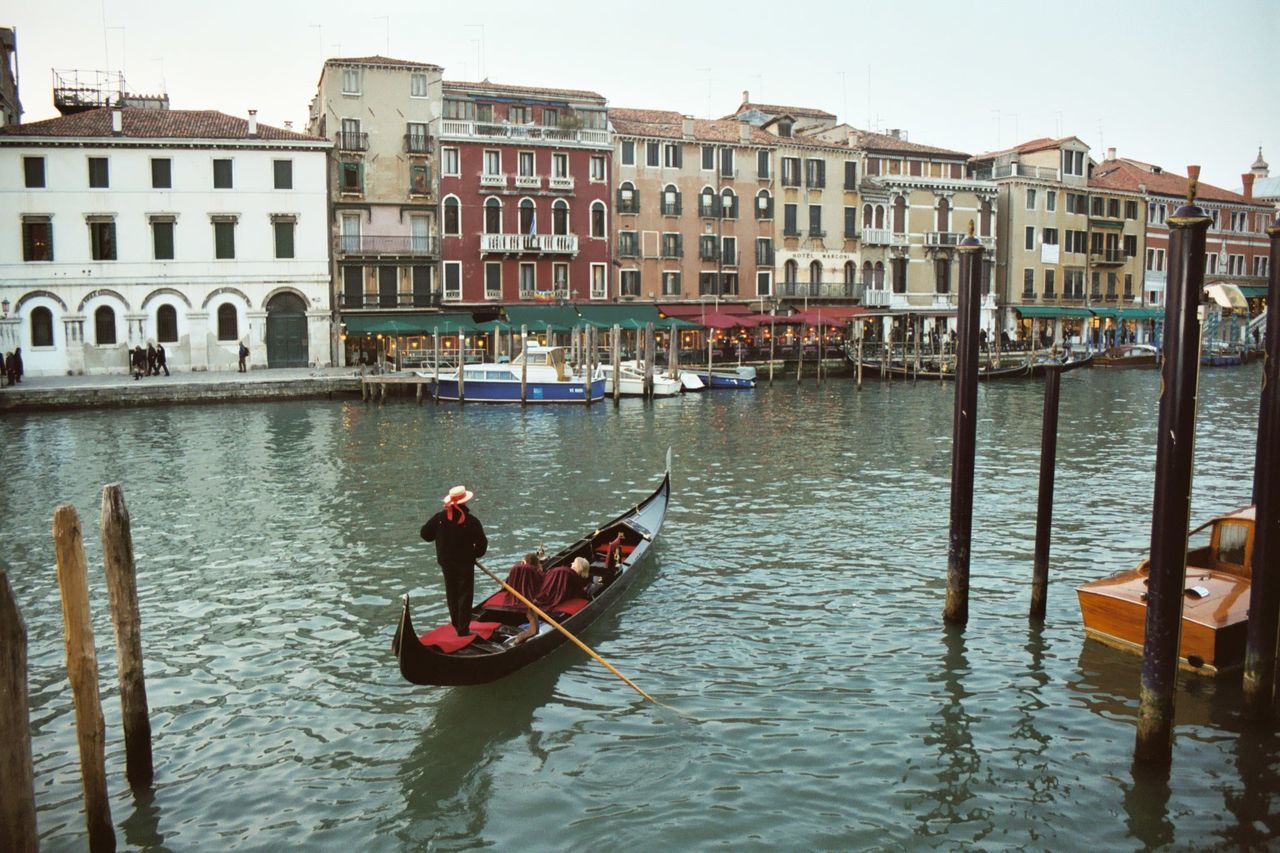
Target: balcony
<point x="396" y="244"/>
<point x="819" y="289"/>
<point x="942" y="238"/>
<point x="560" y="183"/>
<point x="529" y="182"/>
<point x="403" y="299"/>
<point x="415" y="143"/>
<point x="1108" y="258"/>
<point x="497" y="181"/>
<point x="877" y="298"/>
<point x="528" y="244"/>
<point x="883" y="237"/>
<point x="525" y="134"/>
<point x="1022" y="170"/>
<point x="816" y="231"/>
<point x="348" y="141"/>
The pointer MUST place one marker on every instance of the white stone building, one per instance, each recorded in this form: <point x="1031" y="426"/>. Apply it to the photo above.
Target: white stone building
<point x="191" y="228"/>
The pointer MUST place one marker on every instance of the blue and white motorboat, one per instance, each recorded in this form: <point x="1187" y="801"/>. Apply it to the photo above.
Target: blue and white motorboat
<point x="728" y="377"/>
<point x="548" y="379"/>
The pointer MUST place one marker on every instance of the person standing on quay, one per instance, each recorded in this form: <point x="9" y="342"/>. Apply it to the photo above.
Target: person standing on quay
<point x="17" y="365"/>
<point x="244" y="357"/>
<point x="161" y="363"/>
<point x="9" y="376"/>
<point x="138" y="358"/>
<point x="152" y="370"/>
<point x="460" y="541"/>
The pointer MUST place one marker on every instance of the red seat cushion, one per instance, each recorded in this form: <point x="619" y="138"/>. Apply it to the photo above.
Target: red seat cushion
<point x="625" y="549"/>
<point x="570" y="606"/>
<point x="447" y="640"/>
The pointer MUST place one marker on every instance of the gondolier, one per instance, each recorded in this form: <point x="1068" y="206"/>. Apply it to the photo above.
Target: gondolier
<point x="460" y="541"/>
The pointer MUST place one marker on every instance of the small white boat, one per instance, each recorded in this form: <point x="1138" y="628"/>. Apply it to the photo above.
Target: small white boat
<point x="548" y="379"/>
<point x="631" y="381"/>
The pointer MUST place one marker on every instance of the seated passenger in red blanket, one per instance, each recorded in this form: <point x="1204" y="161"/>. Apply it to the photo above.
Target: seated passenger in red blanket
<point x="526" y="578"/>
<point x="563" y="583"/>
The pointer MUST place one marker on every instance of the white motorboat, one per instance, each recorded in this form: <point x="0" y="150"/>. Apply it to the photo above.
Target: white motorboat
<point x="631" y="381"/>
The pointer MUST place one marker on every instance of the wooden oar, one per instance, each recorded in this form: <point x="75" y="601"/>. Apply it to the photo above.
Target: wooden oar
<point x="566" y="632"/>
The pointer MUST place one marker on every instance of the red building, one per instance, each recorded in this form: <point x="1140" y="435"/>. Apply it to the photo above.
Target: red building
<point x="525" y="176"/>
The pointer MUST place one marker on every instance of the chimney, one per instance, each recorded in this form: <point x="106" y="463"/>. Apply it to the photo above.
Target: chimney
<point x="253" y="122"/>
<point x="746" y="96"/>
<point x="288" y="125"/>
<point x="117" y="121"/>
<point x="686" y="127"/>
<point x="1111" y="154"/>
<point x="1247" y="178"/>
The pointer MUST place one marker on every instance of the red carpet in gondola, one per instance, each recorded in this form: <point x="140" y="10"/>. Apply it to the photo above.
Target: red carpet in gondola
<point x="447" y="640"/>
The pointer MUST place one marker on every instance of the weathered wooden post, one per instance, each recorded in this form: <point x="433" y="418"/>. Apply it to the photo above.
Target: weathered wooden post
<point x="964" y="431"/>
<point x="122" y="593"/>
<point x="860" y="331"/>
<point x="524" y="364"/>
<point x="436" y="338"/>
<point x="673" y="349"/>
<point x="18" y="803"/>
<point x="1171" y="511"/>
<point x="418" y="392"/>
<point x="1264" y="601"/>
<point x="800" y="353"/>
<point x="1044" y="506"/>
<point x="82" y="672"/>
<point x="708" y="331"/>
<point x="615" y="362"/>
<point x="650" y="353"/>
<point x="822" y="345"/>
<point x="586" y="364"/>
<point x="462" y="364"/>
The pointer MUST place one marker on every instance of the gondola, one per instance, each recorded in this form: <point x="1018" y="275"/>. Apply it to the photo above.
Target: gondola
<point x="896" y="370"/>
<point x="1038" y="367"/>
<point x="485" y="658"/>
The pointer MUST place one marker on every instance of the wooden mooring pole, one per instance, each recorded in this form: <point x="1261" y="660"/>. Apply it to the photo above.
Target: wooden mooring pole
<point x="524" y="364"/>
<point x="1044" y="505"/>
<point x="82" y="672"/>
<point x="615" y="362"/>
<point x="964" y="431"/>
<point x="1175" y="442"/>
<point x="1264" y="600"/>
<point x="650" y="356"/>
<point x="122" y="593"/>
<point x="18" y="802"/>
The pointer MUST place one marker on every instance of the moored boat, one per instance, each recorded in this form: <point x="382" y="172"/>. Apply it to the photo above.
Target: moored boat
<point x="897" y="370"/>
<point x="1063" y="363"/>
<point x="547" y="379"/>
<point x="1215" y="604"/>
<point x="1128" y="355"/>
<point x="484" y="657"/>
<point x="728" y="377"/>
<point x="631" y="381"/>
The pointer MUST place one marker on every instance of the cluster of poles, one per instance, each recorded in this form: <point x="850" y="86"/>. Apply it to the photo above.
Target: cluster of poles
<point x="1170" y="519"/>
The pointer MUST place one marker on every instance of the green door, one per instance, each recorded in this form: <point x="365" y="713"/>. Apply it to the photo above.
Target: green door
<point x="286" y="332"/>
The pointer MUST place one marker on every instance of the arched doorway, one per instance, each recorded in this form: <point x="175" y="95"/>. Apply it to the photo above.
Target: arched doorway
<point x="286" y="331"/>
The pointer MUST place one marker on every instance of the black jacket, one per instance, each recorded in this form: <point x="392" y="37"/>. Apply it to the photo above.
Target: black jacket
<point x="458" y="546"/>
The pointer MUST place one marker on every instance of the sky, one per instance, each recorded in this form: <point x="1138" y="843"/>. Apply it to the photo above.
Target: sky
<point x="1172" y="82"/>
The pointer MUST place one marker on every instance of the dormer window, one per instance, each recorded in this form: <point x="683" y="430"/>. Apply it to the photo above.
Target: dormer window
<point x="784" y="129"/>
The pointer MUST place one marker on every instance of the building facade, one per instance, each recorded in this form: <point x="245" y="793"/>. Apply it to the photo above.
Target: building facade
<point x="194" y="229"/>
<point x="526" y="207"/>
<point x="10" y="106"/>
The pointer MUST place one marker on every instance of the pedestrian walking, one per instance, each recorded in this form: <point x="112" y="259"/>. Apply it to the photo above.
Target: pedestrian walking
<point x="161" y="362"/>
<point x="17" y="363"/>
<point x="244" y="357"/>
<point x="139" y="360"/>
<point x="151" y="359"/>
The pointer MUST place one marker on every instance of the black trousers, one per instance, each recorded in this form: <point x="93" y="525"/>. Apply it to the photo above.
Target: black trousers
<point x="459" y="590"/>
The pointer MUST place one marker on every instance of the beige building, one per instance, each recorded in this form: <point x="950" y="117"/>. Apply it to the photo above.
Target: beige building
<point x="694" y="212"/>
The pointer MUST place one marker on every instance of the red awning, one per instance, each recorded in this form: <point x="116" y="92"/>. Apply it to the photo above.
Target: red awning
<point x="836" y="315"/>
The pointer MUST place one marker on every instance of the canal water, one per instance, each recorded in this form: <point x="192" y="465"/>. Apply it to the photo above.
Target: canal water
<point x="792" y="614"/>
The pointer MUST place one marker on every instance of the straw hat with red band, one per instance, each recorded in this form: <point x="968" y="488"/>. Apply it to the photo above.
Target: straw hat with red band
<point x="458" y="495"/>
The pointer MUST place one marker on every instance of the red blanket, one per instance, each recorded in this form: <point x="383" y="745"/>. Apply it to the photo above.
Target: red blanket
<point x="447" y="640"/>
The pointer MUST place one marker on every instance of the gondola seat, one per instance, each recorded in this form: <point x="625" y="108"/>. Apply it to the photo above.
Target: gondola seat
<point x="569" y="606"/>
<point x="446" y="639"/>
<point x="624" y="548"/>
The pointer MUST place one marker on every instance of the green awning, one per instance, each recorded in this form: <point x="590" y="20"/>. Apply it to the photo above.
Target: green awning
<point x="407" y="324"/>
<point x="1106" y="313"/>
<point x="1251" y="291"/>
<point x="625" y="316"/>
<point x="1050" y="311"/>
<point x="544" y="318"/>
<point x="490" y="326"/>
<point x="1142" y="313"/>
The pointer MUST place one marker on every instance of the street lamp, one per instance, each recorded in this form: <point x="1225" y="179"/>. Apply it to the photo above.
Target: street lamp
<point x="4" y="306"/>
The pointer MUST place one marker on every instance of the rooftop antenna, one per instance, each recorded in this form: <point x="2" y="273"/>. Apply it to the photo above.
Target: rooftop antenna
<point x="996" y="113"/>
<point x="124" y="59"/>
<point x="482" y="72"/>
<point x="1102" y="140"/>
<point x="1059" y="124"/>
<point x="319" y="38"/>
<point x="708" y="70"/>
<point x="386" y="19"/>
<point x="868" y="97"/>
<point x="106" y="48"/>
<point x="164" y="86"/>
<point x="844" y="96"/>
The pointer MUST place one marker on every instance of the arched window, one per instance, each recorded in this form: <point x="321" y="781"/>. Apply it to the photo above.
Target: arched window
<point x="41" y="327"/>
<point x="764" y="205"/>
<point x="985" y="219"/>
<point x="628" y="200"/>
<point x="789" y="271"/>
<point x="670" y="200"/>
<point x="729" y="204"/>
<point x="815" y="272"/>
<point x="528" y="217"/>
<point x="707" y="202"/>
<point x="560" y="217"/>
<point x="452" y="216"/>
<point x="900" y="215"/>
<point x="228" y="324"/>
<point x="850" y="272"/>
<point x="868" y="278"/>
<point x="492" y="216"/>
<point x="879" y="275"/>
<point x="598" y="223"/>
<point x="866" y="216"/>
<point x="167" y="324"/>
<point x="944" y="218"/>
<point x="104" y="326"/>
<point x="879" y="215"/>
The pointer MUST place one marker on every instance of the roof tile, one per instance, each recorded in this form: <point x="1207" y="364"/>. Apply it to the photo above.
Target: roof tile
<point x="139" y="123"/>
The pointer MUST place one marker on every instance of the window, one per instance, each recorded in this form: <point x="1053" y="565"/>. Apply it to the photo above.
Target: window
<point x="707" y="203"/>
<point x="493" y="162"/>
<point x="1031" y="199"/>
<point x="282" y="174"/>
<point x="419" y="179"/>
<point x="528" y="217"/>
<point x="492" y="216"/>
<point x="815" y="221"/>
<point x="815" y="173"/>
<point x="1128" y="284"/>
<point x="102" y="238"/>
<point x="416" y="139"/>
<point x="729" y="250"/>
<point x="1049" y="237"/>
<point x="944" y="215"/>
<point x="1130" y="210"/>
<point x="629" y="283"/>
<point x="41" y="327"/>
<point x="1030" y="243"/>
<point x="167" y="324"/>
<point x="708" y="283"/>
<point x="99" y="177"/>
<point x="764" y="205"/>
<point x="493" y="280"/>
<point x="672" y="157"/>
<point x="672" y="245"/>
<point x="459" y="109"/>
<point x="599" y="284"/>
<point x="161" y="173"/>
<point x="791" y="171"/>
<point x="670" y="283"/>
<point x="707" y="247"/>
<point x="1155" y="260"/>
<point x="727" y="163"/>
<point x="550" y="117"/>
<point x="162" y="237"/>
<point x="708" y="158"/>
<point x="850" y="175"/>
<point x="559" y="165"/>
<point x="1073" y="163"/>
<point x="652" y="154"/>
<point x="1028" y="283"/>
<point x="33" y="172"/>
<point x="873" y="165"/>
<point x="351" y="81"/>
<point x="764" y="251"/>
<point x="104" y="326"/>
<point x="224" y="238"/>
<point x="598" y="224"/>
<point x="942" y="267"/>
<point x="449" y="162"/>
<point x="728" y="204"/>
<point x="789" y="226"/>
<point x="37" y="238"/>
<point x="1113" y="208"/>
<point x="1096" y="285"/>
<point x="899" y="275"/>
<point x="790" y="271"/>
<point x="417" y="85"/>
<point x="764" y="282"/>
<point x="350" y="232"/>
<point x="670" y="202"/>
<point x="1111" y="284"/>
<point x="1073" y="283"/>
<point x="762" y="165"/>
<point x="850" y="223"/>
<point x="560" y="217"/>
<point x="627" y="244"/>
<point x="597" y="168"/>
<point x="228" y="322"/>
<point x="628" y="198"/>
<point x="452" y="217"/>
<point x="351" y="177"/>
<point x="1049" y="288"/>
<point x="984" y="219"/>
<point x="1130" y="245"/>
<point x="453" y="280"/>
<point x="560" y="278"/>
<point x="283" y="227"/>
<point x="1050" y="201"/>
<point x="517" y="115"/>
<point x="628" y="152"/>
<point x="222" y="174"/>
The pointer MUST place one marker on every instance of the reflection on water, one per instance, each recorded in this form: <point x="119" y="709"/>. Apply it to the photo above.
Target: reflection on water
<point x="792" y="612"/>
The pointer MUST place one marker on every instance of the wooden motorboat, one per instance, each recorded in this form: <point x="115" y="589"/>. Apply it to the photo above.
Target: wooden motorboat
<point x="486" y="658"/>
<point x="1129" y="355"/>
<point x="1215" y="604"/>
